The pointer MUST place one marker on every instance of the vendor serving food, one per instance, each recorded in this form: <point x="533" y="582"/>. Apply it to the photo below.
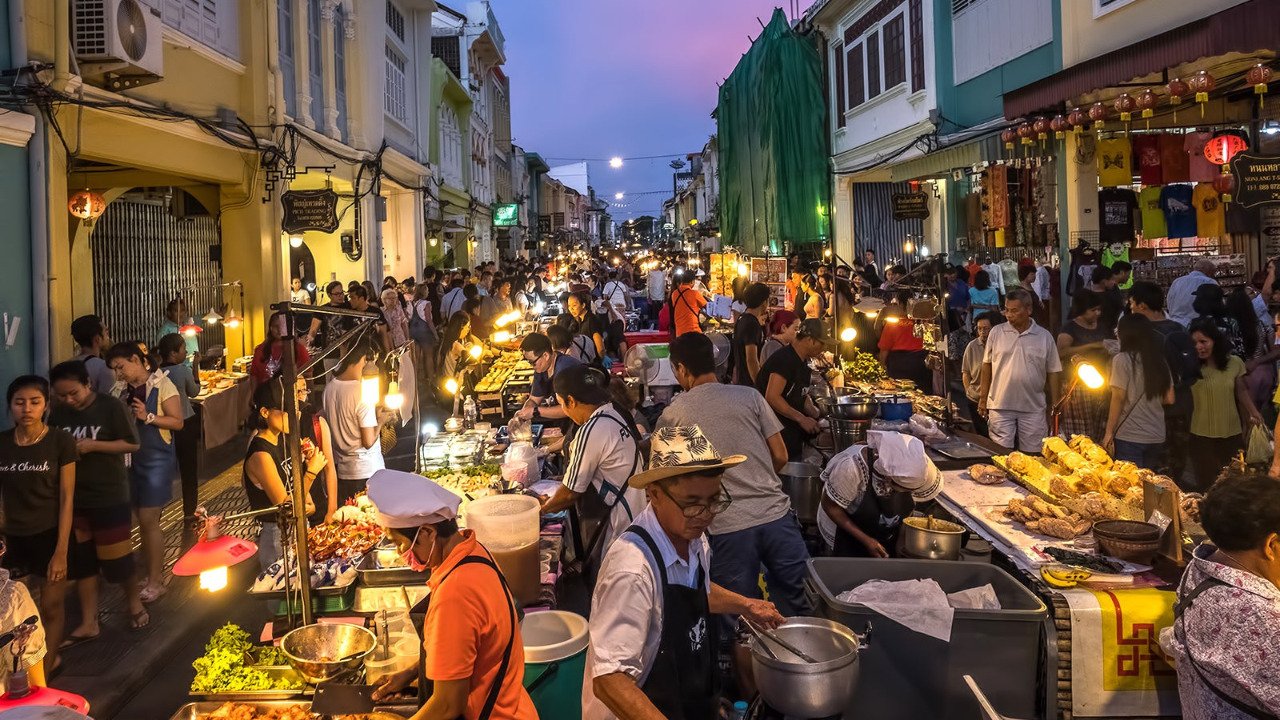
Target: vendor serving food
<point x="868" y="490"/>
<point x="472" y="661"/>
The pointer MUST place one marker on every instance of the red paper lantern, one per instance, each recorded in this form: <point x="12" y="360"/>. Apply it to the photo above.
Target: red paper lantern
<point x="87" y="205"/>
<point x="1059" y="124"/>
<point x="1222" y="148"/>
<point x="1125" y="105"/>
<point x="1041" y="126"/>
<point x="1025" y="131"/>
<point x="1259" y="76"/>
<point x="1008" y="136"/>
<point x="1203" y="84"/>
<point x="1147" y="101"/>
<point x="1225" y="184"/>
<point x="1177" y="90"/>
<point x="1098" y="114"/>
<point x="1076" y="118"/>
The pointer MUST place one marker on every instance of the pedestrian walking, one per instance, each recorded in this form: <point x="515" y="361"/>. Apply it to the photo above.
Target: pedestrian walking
<point x="1021" y="367"/>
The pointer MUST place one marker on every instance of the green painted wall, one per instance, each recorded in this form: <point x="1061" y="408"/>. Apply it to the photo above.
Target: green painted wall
<point x="16" y="348"/>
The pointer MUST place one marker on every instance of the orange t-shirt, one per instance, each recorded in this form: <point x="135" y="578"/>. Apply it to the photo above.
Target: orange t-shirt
<point x="466" y="630"/>
<point x="688" y="303"/>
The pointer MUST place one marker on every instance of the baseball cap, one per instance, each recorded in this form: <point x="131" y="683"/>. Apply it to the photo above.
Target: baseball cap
<point x="814" y="328"/>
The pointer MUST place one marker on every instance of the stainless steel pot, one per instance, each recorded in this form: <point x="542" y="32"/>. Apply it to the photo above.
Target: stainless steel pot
<point x="803" y="483"/>
<point x="849" y="407"/>
<point x="931" y="539"/>
<point x="807" y="690"/>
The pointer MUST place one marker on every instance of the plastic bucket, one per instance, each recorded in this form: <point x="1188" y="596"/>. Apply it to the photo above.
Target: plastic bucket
<point x="555" y="659"/>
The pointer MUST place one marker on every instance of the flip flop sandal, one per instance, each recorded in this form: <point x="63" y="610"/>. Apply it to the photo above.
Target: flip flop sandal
<point x="139" y="620"/>
<point x="148" y="595"/>
<point x="74" y="640"/>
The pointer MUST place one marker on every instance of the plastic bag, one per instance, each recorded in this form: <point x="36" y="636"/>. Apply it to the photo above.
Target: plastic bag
<point x="1258" y="451"/>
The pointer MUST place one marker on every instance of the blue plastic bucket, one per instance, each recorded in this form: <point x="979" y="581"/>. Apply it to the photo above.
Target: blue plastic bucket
<point x="555" y="658"/>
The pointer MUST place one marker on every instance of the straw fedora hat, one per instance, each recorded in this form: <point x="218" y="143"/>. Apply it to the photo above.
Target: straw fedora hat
<point x="676" y="451"/>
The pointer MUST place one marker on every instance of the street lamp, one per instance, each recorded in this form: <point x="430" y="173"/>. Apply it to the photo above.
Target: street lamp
<point x="615" y="162"/>
<point x="618" y="196"/>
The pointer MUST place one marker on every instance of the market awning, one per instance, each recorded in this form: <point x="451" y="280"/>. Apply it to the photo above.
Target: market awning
<point x="1249" y="27"/>
<point x="941" y="162"/>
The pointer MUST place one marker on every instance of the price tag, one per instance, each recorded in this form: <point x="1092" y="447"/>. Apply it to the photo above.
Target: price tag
<point x="1159" y="519"/>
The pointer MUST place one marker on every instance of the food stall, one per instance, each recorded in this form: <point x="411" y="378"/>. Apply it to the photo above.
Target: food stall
<point x="223" y="403"/>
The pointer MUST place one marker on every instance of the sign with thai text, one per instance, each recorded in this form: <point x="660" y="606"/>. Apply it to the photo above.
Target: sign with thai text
<point x="309" y="210"/>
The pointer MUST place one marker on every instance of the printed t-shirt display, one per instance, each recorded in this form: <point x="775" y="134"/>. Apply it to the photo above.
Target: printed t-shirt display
<point x="1152" y="213"/>
<point x="1115" y="162"/>
<point x="1211" y="219"/>
<point x="1116" y="221"/>
<point x="1179" y="210"/>
<point x="1146" y="157"/>
<point x="1201" y="170"/>
<point x="1174" y="163"/>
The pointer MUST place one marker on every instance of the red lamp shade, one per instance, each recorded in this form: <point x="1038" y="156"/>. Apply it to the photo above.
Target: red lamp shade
<point x="223" y="551"/>
<point x="1008" y="136"/>
<point x="1177" y="90"/>
<point x="86" y="205"/>
<point x="1147" y="102"/>
<point x="1125" y="105"/>
<point x="1059" y="125"/>
<point x="1098" y="113"/>
<point x="1076" y="118"/>
<point x="46" y="697"/>
<point x="1222" y="148"/>
<point x="1225" y="184"/>
<point x="1202" y="83"/>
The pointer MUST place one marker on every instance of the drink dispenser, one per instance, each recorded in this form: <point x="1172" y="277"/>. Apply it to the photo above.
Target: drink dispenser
<point x="508" y="526"/>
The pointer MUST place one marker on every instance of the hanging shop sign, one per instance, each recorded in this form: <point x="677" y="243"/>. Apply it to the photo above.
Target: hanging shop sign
<point x="1257" y="179"/>
<point x="506" y="215"/>
<point x="309" y="210"/>
<point x="544" y="224"/>
<point x="910" y="206"/>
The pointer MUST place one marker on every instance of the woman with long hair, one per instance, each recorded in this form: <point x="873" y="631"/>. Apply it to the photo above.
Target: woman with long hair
<point x="1221" y="406"/>
<point x="1084" y="335"/>
<point x="454" y="342"/>
<point x="1211" y="304"/>
<point x="37" y="486"/>
<point x="268" y="357"/>
<point x="157" y="413"/>
<point x="1141" y="386"/>
<point x="171" y="351"/>
<point x="1258" y="339"/>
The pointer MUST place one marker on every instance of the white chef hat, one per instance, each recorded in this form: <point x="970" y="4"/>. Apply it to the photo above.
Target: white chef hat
<point x="901" y="458"/>
<point x="406" y="500"/>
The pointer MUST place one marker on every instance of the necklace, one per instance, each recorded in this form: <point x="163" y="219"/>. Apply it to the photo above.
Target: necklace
<point x="31" y="441"/>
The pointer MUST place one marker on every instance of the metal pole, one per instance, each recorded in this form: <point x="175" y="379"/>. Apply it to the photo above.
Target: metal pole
<point x="294" y="445"/>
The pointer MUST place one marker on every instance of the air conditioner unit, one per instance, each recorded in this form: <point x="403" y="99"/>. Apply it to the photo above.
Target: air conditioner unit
<point x="119" y="42"/>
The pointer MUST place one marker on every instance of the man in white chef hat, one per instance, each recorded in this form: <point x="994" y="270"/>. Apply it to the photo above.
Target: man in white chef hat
<point x="898" y="474"/>
<point x="472" y="662"/>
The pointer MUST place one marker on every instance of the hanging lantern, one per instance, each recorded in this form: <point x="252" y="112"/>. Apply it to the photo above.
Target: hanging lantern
<point x="1177" y="90"/>
<point x="1259" y="76"/>
<point x="1202" y="83"/>
<point x="1076" y="118"/>
<point x="87" y="205"/>
<point x="1222" y="148"/>
<point x="1225" y="184"/>
<point x="1025" y="131"/>
<point x="1098" y="114"/>
<point x="1007" y="137"/>
<point x="1125" y="105"/>
<point x="1041" y="126"/>
<point x="1147" y="101"/>
<point x="1059" y="124"/>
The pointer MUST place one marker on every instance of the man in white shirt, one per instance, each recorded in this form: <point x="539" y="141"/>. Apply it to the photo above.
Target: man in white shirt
<point x="652" y="651"/>
<point x="656" y="289"/>
<point x="616" y="293"/>
<point x="1182" y="292"/>
<point x="1020" y="366"/>
<point x="354" y="424"/>
<point x="452" y="300"/>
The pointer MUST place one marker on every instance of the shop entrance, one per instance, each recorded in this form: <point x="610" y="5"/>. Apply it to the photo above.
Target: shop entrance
<point x="151" y="245"/>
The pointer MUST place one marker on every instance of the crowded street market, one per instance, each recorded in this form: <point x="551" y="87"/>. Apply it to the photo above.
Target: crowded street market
<point x="939" y="384"/>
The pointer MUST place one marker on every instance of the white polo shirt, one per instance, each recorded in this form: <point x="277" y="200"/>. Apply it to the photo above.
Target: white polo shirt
<point x="603" y="451"/>
<point x="1020" y="364"/>
<point x="626" y="607"/>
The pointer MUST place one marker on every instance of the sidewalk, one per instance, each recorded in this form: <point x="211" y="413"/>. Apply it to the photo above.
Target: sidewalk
<point x="153" y="664"/>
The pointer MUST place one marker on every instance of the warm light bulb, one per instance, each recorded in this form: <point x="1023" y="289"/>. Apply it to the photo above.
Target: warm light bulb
<point x="908" y="247"/>
<point x="430" y="429"/>
<point x="476" y="351"/>
<point x="369" y="389"/>
<point x="743" y="270"/>
<point x="848" y="334"/>
<point x="502" y="336"/>
<point x="1090" y="376"/>
<point x="826" y="253"/>
<point x="394" y="400"/>
<point x="451" y="385"/>
<point x="295" y="241"/>
<point x="214" y="580"/>
<point x="892" y="319"/>
<point x="232" y="321"/>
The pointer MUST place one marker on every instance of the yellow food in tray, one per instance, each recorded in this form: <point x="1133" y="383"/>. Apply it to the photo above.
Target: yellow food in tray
<point x="1090" y="450"/>
<point x="1028" y="467"/>
<point x="1054" y="446"/>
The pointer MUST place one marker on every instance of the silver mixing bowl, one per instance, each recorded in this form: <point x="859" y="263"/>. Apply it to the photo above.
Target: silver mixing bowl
<point x="314" y="651"/>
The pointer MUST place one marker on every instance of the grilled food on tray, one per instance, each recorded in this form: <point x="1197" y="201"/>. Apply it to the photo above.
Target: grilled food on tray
<point x="986" y="474"/>
<point x="1046" y="518"/>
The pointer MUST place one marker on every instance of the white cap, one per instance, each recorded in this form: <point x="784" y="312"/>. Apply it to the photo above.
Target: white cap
<point x="901" y="458"/>
<point x="405" y="500"/>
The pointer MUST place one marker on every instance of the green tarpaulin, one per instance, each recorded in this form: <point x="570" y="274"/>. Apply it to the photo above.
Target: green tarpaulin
<point x="773" y="145"/>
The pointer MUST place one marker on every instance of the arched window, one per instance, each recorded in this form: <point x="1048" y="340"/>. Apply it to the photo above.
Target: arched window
<point x="451" y="148"/>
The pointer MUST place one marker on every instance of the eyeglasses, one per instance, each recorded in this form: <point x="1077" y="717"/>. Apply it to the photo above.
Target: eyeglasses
<point x="693" y="510"/>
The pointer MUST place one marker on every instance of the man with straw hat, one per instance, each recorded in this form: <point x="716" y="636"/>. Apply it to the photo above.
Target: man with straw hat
<point x="653" y="645"/>
<point x="472" y="657"/>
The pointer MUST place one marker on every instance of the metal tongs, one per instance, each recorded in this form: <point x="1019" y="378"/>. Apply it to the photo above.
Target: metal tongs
<point x="763" y="634"/>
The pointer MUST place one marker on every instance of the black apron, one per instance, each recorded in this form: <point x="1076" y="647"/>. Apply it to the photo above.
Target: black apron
<point x="424" y="683"/>
<point x="879" y="517"/>
<point x="601" y="504"/>
<point x="683" y="683"/>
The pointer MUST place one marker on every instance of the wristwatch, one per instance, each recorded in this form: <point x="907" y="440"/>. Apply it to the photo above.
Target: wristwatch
<point x="151" y="418"/>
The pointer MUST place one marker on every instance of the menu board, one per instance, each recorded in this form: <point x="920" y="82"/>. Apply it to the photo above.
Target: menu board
<point x="771" y="272"/>
<point x="721" y="271"/>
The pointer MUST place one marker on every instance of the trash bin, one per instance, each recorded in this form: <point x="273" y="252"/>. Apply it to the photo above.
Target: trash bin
<point x="555" y="659"/>
<point x="910" y="676"/>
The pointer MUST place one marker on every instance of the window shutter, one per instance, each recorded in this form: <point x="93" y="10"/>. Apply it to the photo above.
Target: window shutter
<point x="841" y="106"/>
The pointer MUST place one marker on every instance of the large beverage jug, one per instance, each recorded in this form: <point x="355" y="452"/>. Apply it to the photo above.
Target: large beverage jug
<point x="508" y="526"/>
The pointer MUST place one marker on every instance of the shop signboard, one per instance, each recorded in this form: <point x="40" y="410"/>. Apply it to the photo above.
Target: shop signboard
<point x="506" y="215"/>
<point x="1257" y="179"/>
<point x="309" y="210"/>
<point x="544" y="224"/>
<point x="1270" y="228"/>
<point x="910" y="206"/>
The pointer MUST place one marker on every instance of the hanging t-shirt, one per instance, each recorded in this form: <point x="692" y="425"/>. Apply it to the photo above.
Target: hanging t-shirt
<point x="1083" y="259"/>
<point x="1174" y="163"/>
<point x="1152" y="214"/>
<point x="1115" y="162"/>
<point x="1146" y="157"/>
<point x="1112" y="254"/>
<point x="1200" y="169"/>
<point x="1115" y="222"/>
<point x="1211" y="221"/>
<point x="1179" y="210"/>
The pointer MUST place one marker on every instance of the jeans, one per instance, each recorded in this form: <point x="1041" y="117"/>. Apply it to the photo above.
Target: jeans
<point x="1144" y="455"/>
<point x="736" y="559"/>
<point x="269" y="549"/>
